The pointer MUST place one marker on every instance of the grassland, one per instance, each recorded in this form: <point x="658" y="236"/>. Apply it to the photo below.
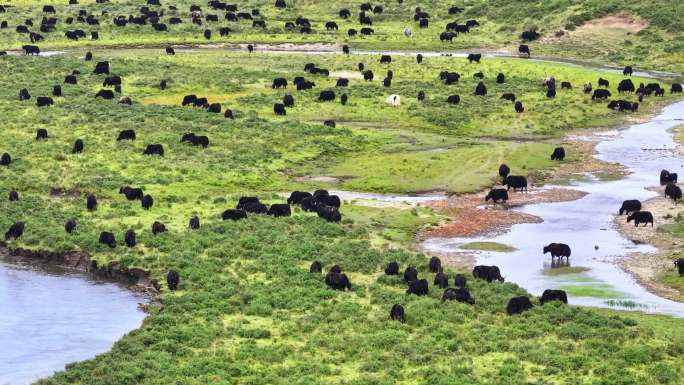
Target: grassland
<point x="655" y="42"/>
<point x="247" y="310"/>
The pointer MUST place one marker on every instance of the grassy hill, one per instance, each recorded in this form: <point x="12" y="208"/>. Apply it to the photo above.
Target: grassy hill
<point x="646" y="34"/>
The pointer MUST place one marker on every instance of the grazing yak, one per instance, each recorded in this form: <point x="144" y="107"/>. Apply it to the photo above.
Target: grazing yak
<point x="30" y="49"/>
<point x="530" y="35"/>
<point x="147" y="202"/>
<point x="553" y="295"/>
<point x="449" y="77"/>
<point x="172" y="280"/>
<point x="107" y="238"/>
<point x="297" y="196"/>
<point x="517" y="305"/>
<point x="603" y="83"/>
<point x="189" y="99"/>
<point x="131" y="193"/>
<point x="421" y="95"/>
<point x="343" y="99"/>
<point x="15" y="231"/>
<point x="667" y="177"/>
<point x="158" y="228"/>
<point x="91" y="202"/>
<point x="481" y="89"/>
<point x="326" y="96"/>
<point x="504" y="170"/>
<point x="630" y="206"/>
<point x="41" y="133"/>
<point x="329" y="213"/>
<point x="474" y="57"/>
<point x="460" y="294"/>
<point x="105" y="94"/>
<point x="519" y="108"/>
<point x="441" y="280"/>
<point x="392" y="268"/>
<point x="397" y="313"/>
<point x="70" y="79"/>
<point x="279" y="83"/>
<point x="126" y="135"/>
<point x="385" y="59"/>
<point x="70" y="225"/>
<point x="279" y="109"/>
<point x="214" y="108"/>
<point x="558" y="153"/>
<point x="623" y="105"/>
<point x="251" y="205"/>
<point x="418" y="287"/>
<point x="233" y="214"/>
<point x="5" y="159"/>
<point x="435" y="265"/>
<point x="680" y="266"/>
<point x="640" y="217"/>
<point x="130" y="238"/>
<point x="13" y="196"/>
<point x="460" y="280"/>
<point x="453" y="99"/>
<point x="488" y="273"/>
<point x="78" y="147"/>
<point x="24" y="94"/>
<point x="508" y="96"/>
<point x="673" y="192"/>
<point x="628" y="71"/>
<point x="517" y="182"/>
<point x="288" y="100"/>
<point x="600" y="94"/>
<point x="496" y="195"/>
<point x="500" y="78"/>
<point x="337" y="281"/>
<point x="194" y="223"/>
<point x="410" y="274"/>
<point x="676" y="88"/>
<point x="154" y="149"/>
<point x="626" y="85"/>
<point x="558" y="250"/>
<point x="56" y="90"/>
<point x="524" y="49"/>
<point x="101" y="68"/>
<point x="316" y="267"/>
<point x="566" y="86"/>
<point x="279" y="210"/>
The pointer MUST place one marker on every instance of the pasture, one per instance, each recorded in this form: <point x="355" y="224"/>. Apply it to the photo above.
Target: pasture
<point x="648" y="34"/>
<point x="247" y="310"/>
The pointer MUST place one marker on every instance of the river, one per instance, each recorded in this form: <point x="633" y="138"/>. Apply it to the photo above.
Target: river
<point x="50" y="317"/>
<point x="588" y="222"/>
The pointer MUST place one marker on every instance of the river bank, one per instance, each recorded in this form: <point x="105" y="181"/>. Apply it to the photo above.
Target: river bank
<point x="55" y="314"/>
<point x="585" y="222"/>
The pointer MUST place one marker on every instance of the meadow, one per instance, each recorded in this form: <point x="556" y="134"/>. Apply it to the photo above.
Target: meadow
<point x="649" y="34"/>
<point x="247" y="310"/>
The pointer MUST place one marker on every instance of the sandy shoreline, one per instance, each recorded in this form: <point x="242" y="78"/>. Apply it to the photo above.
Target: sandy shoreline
<point x="647" y="268"/>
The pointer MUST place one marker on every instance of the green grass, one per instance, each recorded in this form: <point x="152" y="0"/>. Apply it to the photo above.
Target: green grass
<point x="565" y="270"/>
<point x="595" y="290"/>
<point x="488" y="246"/>
<point x="247" y="310"/>
<point x="502" y="21"/>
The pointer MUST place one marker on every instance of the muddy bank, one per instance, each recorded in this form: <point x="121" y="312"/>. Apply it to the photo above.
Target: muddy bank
<point x="647" y="268"/>
<point x="470" y="216"/>
<point x="599" y="249"/>
<point x="135" y="279"/>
